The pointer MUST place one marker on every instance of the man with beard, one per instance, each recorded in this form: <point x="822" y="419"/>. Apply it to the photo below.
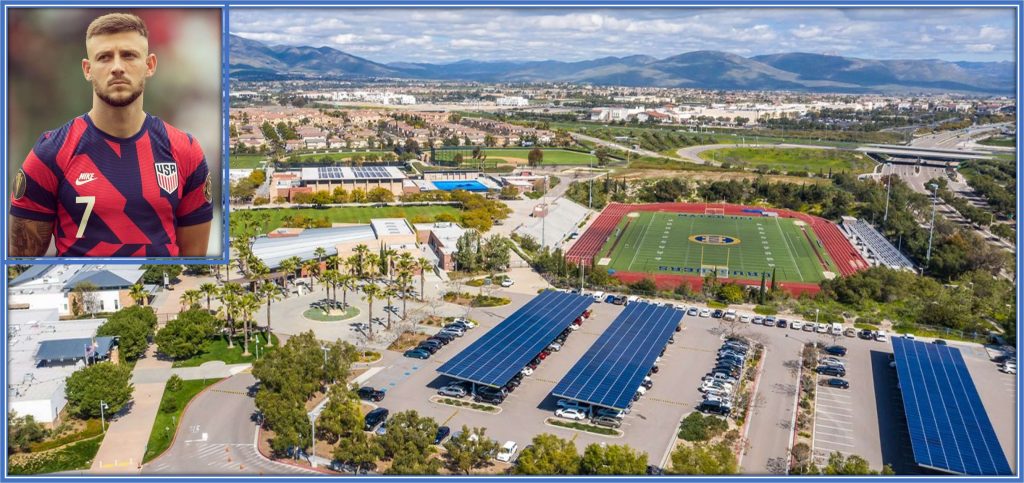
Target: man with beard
<point x="116" y="181"/>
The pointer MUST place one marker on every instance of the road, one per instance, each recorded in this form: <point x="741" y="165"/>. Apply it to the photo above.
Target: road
<point x="217" y="435"/>
<point x="602" y="142"/>
<point x="955" y="139"/>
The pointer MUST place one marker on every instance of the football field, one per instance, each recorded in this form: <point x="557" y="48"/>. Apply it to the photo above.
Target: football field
<point x="741" y="247"/>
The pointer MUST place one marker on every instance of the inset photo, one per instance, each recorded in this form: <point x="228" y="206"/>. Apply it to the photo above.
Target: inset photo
<point x="114" y="133"/>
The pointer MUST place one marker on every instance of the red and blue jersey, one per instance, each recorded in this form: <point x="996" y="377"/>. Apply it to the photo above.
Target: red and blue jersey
<point x="114" y="197"/>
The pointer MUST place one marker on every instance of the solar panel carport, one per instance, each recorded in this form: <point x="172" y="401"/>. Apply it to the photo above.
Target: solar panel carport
<point x="611" y="371"/>
<point x="949" y="428"/>
<point x="503" y="351"/>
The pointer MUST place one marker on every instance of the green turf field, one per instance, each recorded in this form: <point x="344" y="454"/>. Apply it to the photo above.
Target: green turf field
<point x="791" y="159"/>
<point x="662" y="243"/>
<point x="242" y="161"/>
<point x="551" y="156"/>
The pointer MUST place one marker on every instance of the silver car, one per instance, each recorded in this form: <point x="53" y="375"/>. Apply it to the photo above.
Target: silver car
<point x="453" y="391"/>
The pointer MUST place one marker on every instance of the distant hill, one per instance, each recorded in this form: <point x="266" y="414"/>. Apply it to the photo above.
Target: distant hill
<point x="706" y="69"/>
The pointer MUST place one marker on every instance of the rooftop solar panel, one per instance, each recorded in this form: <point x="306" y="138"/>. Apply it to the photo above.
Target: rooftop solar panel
<point x="612" y="369"/>
<point x="503" y="351"/>
<point x="949" y="428"/>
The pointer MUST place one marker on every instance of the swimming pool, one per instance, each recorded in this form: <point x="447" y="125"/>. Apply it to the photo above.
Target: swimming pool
<point x="468" y="185"/>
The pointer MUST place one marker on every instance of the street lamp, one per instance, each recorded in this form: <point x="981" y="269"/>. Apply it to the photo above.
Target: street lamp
<point x="103" y="417"/>
<point x="312" y="440"/>
<point x="931" y="230"/>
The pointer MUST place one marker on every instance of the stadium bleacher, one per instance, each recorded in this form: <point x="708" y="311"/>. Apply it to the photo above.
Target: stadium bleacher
<point x="876" y="244"/>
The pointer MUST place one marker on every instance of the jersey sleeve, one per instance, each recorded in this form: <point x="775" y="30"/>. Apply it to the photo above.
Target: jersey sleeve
<point x="195" y="206"/>
<point x="34" y="192"/>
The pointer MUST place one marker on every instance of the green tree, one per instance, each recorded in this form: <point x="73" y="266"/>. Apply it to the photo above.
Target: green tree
<point x="341" y="416"/>
<point x="730" y="293"/>
<point x="23" y="431"/>
<point x="495" y="253"/>
<point x="469" y="449"/>
<point x="184" y="336"/>
<point x="467" y="251"/>
<point x="548" y="455"/>
<point x="612" y="459"/>
<point x="132" y="326"/>
<point x="847" y="465"/>
<point x="704" y="459"/>
<point x="535" y="158"/>
<point x="154" y="274"/>
<point x="358" y="450"/>
<point x="106" y="382"/>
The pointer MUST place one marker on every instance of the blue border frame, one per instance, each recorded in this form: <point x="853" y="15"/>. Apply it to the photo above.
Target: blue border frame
<point x="227" y="5"/>
<point x="225" y="148"/>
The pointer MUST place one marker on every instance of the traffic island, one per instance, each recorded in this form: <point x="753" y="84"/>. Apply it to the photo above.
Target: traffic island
<point x="584" y="427"/>
<point x="318" y="315"/>
<point x="470" y="405"/>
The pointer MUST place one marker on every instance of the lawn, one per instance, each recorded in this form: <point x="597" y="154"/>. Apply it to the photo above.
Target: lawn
<point x="319" y="316"/>
<point x="551" y="156"/>
<point x="216" y="349"/>
<point x="363" y="214"/>
<point x="999" y="141"/>
<point x="166" y="423"/>
<point x="337" y="156"/>
<point x="791" y="159"/>
<point x="242" y="161"/>
<point x="747" y="246"/>
<point x="75" y="456"/>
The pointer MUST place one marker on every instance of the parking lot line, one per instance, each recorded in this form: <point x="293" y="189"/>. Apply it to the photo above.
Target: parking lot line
<point x="847" y="430"/>
<point x="834" y="442"/>
<point x="838" y="409"/>
<point x="666" y="401"/>
<point x="445" y="423"/>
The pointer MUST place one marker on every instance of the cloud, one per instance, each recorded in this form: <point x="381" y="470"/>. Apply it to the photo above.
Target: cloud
<point x="980" y="47"/>
<point x="806" y="32"/>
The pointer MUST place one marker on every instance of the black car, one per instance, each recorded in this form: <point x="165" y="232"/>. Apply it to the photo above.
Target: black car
<point x="836" y="350"/>
<point x="438" y="340"/>
<point x="368" y="393"/>
<point x="729" y="363"/>
<point x="431" y="348"/>
<point x="717" y="314"/>
<point x="831" y="371"/>
<point x="836" y="382"/>
<point x="492" y="398"/>
<point x="714" y="407"/>
<point x="655" y="470"/>
<point x="866" y="334"/>
<point x="442" y="434"/>
<point x="446" y="337"/>
<point x="782" y="323"/>
<point x="939" y="342"/>
<point x="374" y="418"/>
<point x="417" y="353"/>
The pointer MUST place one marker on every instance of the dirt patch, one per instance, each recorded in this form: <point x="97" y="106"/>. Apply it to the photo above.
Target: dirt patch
<point x="407" y="340"/>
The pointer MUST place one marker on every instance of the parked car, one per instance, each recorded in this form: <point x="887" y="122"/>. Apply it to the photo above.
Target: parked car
<point x="796" y="325"/>
<point x="431" y="348"/>
<point x="508" y="282"/>
<point x="554" y="347"/>
<point x="655" y="470"/>
<point x="781" y="323"/>
<point x="692" y="311"/>
<point x="374" y="418"/>
<point x="836" y="350"/>
<point x="527" y="371"/>
<point x="464" y="321"/>
<point x="607" y="421"/>
<point x="836" y="382"/>
<point x="881" y="336"/>
<point x="705" y="313"/>
<point x="809" y="327"/>
<point x="832" y="361"/>
<point x="489" y="397"/>
<point x="570" y="404"/>
<point x="717" y="314"/>
<point x="443" y="432"/>
<point x="850" y="332"/>
<point x="939" y="342"/>
<point x="744" y="318"/>
<point x="821" y="328"/>
<point x="417" y="354"/>
<point x="865" y="334"/>
<point x="715" y="407"/>
<point x="368" y="393"/>
<point x="611" y="413"/>
<point x="571" y="413"/>
<point x="1008" y="367"/>
<point x="457" y="331"/>
<point x="454" y="390"/>
<point x="832" y="371"/>
<point x="507" y="451"/>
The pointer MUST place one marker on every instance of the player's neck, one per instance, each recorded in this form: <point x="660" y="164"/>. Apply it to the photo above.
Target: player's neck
<point x="121" y="122"/>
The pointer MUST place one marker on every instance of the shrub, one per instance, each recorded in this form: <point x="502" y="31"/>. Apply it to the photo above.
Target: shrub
<point x="174" y="383"/>
<point x="697" y="427"/>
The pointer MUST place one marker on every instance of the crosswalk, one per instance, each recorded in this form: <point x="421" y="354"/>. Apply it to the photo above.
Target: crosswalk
<point x="224" y="458"/>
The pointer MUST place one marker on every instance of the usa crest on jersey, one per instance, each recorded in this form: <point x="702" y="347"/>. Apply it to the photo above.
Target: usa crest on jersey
<point x="167" y="176"/>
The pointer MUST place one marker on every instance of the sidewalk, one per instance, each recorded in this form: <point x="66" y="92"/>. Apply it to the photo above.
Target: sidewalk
<point x="124" y="446"/>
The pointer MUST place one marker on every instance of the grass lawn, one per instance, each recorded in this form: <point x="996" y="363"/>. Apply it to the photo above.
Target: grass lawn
<point x="999" y="141"/>
<point x="551" y="156"/>
<point x="166" y="423"/>
<point x="242" y="161"/>
<point x="318" y="315"/>
<point x="363" y="214"/>
<point x="747" y="246"/>
<point x="217" y="350"/>
<point x="76" y="456"/>
<point x="337" y="156"/>
<point x="791" y="159"/>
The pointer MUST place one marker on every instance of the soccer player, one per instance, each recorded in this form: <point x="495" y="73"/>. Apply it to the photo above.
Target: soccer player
<point x="116" y="181"/>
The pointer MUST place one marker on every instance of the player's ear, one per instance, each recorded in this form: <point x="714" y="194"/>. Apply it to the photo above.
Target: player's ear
<point x="150" y="65"/>
<point x="87" y="69"/>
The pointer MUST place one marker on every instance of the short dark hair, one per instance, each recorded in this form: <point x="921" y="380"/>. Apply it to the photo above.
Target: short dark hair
<point x="113" y="23"/>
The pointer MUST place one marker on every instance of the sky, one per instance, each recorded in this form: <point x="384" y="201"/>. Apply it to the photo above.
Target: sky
<point x="445" y="34"/>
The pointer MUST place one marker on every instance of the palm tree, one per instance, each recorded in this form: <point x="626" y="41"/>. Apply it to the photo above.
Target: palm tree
<point x="269" y="293"/>
<point x="289" y="266"/>
<point x="423" y="264"/>
<point x="370" y="292"/>
<point x="333" y="262"/>
<point x="247" y="304"/>
<point x="387" y="262"/>
<point x="319" y="252"/>
<point x="361" y="251"/>
<point x="229" y="299"/>
<point x="346" y="282"/>
<point x="138" y="294"/>
<point x="371" y="263"/>
<point x="209" y="290"/>
<point x="388" y="292"/>
<point x="312" y="269"/>
<point x="190" y="298"/>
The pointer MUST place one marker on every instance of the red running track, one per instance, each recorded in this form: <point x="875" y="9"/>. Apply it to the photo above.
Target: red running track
<point x="838" y="247"/>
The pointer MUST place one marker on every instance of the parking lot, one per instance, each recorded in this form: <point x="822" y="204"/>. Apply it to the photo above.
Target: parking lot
<point x="851" y="421"/>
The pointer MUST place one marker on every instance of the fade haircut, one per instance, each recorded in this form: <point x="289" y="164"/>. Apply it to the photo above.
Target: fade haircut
<point x="113" y="23"/>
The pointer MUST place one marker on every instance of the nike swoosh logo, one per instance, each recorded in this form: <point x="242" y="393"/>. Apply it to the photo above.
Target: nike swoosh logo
<point x="79" y="182"/>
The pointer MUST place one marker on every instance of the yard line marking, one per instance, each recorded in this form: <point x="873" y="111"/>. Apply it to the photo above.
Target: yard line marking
<point x="785" y="240"/>
<point x="635" y="252"/>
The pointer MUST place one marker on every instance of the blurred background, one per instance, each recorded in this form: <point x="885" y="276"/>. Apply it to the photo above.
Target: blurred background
<point x="46" y="87"/>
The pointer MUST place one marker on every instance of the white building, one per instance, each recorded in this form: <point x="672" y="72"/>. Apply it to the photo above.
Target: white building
<point x="42" y="352"/>
<point x="513" y="101"/>
<point x="51" y="287"/>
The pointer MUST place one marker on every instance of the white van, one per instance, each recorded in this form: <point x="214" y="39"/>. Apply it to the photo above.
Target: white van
<point x="598" y="297"/>
<point x="730" y="314"/>
<point x="837" y="328"/>
<point x="880" y="336"/>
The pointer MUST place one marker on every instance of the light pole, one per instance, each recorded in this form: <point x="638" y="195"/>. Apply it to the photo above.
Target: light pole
<point x="888" y="189"/>
<point x="103" y="417"/>
<point x="931" y="230"/>
<point x="312" y="439"/>
<point x="325" y="349"/>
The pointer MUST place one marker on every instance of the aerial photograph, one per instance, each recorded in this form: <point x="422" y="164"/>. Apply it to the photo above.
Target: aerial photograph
<point x="454" y="251"/>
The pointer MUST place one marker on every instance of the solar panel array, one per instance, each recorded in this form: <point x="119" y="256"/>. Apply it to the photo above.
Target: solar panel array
<point x="611" y="371"/>
<point x="370" y="172"/>
<point x="503" y="351"/>
<point x="949" y="428"/>
<point x="330" y="172"/>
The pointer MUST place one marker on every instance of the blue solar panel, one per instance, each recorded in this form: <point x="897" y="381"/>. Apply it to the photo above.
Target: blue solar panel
<point x="504" y="350"/>
<point x="611" y="371"/>
<point x="949" y="428"/>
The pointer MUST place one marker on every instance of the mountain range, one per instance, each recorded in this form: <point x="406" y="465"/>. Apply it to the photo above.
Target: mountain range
<point x="706" y="69"/>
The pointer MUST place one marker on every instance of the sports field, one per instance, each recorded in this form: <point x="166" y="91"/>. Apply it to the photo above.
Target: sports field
<point x="551" y="156"/>
<point x="740" y="247"/>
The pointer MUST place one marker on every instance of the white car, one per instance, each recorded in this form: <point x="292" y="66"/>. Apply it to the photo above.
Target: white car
<point x="909" y="336"/>
<point x="832" y="361"/>
<point x="598" y="297"/>
<point x="758" y="320"/>
<point x="508" y="282"/>
<point x="571" y="413"/>
<point x="555" y="347"/>
<point x="527" y="371"/>
<point x="881" y="336"/>
<point x="466" y="322"/>
<point x="796" y="325"/>
<point x="705" y="313"/>
<point x="745" y="318"/>
<point x="507" y="451"/>
<point x="719" y="385"/>
<point x="642" y="390"/>
<point x="717" y="391"/>
<point x="822" y="329"/>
